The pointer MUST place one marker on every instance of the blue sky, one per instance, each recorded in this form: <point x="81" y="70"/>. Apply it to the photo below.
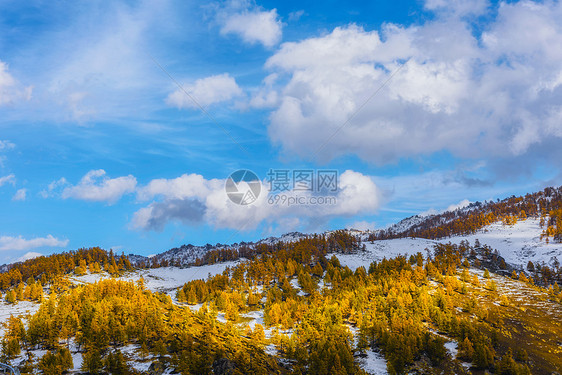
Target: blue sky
<point x="420" y="106"/>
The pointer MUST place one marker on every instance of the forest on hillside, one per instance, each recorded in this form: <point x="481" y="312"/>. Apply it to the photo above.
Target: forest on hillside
<point x="319" y="317"/>
<point x="545" y="204"/>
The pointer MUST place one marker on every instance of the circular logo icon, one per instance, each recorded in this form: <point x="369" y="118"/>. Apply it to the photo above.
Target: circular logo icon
<point x="243" y="187"/>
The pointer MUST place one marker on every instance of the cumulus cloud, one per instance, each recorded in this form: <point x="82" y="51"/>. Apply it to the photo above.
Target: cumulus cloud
<point x="20" y="195"/>
<point x="186" y="186"/>
<point x="158" y="214"/>
<point x="191" y="199"/>
<point x="206" y="91"/>
<point x="9" y="179"/>
<point x="492" y="94"/>
<point x="10" y="89"/>
<point x="8" y="243"/>
<point x="266" y="96"/>
<point x="251" y="23"/>
<point x="96" y="186"/>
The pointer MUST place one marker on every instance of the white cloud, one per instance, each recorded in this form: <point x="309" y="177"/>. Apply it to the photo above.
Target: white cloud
<point x="266" y="96"/>
<point x="193" y="200"/>
<point x="461" y="204"/>
<point x="53" y="187"/>
<point x="185" y="186"/>
<point x="20" y="195"/>
<point x="458" y="7"/>
<point x="485" y="96"/>
<point x="8" y="243"/>
<point x="9" y="179"/>
<point x="6" y="145"/>
<point x="156" y="215"/>
<point x="29" y="255"/>
<point x="10" y="89"/>
<point x="105" y="63"/>
<point x="96" y="186"/>
<point x="206" y="91"/>
<point x="362" y="225"/>
<point x="452" y="207"/>
<point x="254" y="26"/>
<point x="295" y="16"/>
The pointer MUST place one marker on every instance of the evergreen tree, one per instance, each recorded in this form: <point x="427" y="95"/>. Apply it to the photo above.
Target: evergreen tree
<point x="11" y="296"/>
<point x="92" y="361"/>
<point x="114" y="363"/>
<point x="56" y="362"/>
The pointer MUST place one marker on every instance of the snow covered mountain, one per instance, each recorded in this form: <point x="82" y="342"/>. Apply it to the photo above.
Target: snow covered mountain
<point x="502" y="225"/>
<point x="187" y="255"/>
<point x="414" y="222"/>
<point x="517" y="244"/>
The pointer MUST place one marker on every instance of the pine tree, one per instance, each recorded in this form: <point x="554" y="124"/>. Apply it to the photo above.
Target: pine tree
<point x="180" y="295"/>
<point x="466" y="350"/>
<point x="11" y="296"/>
<point x="258" y="334"/>
<point x="115" y="364"/>
<point x="192" y="296"/>
<point x="253" y="299"/>
<point x="79" y="271"/>
<point x="15" y="333"/>
<point x="231" y="312"/>
<point x="19" y="291"/>
<point x="491" y="285"/>
<point x="56" y="362"/>
<point x="92" y="361"/>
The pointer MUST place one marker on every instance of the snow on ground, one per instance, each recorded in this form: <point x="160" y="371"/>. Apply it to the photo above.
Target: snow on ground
<point x="18" y="309"/>
<point x="193" y="308"/>
<point x="38" y="353"/>
<point x="271" y="349"/>
<point x="518" y="244"/>
<point x="164" y="279"/>
<point x="221" y="318"/>
<point x="77" y="360"/>
<point x="256" y="318"/>
<point x="452" y="348"/>
<point x="522" y="294"/>
<point x="141" y="367"/>
<point x="295" y="284"/>
<point x="378" y="250"/>
<point x="374" y="363"/>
